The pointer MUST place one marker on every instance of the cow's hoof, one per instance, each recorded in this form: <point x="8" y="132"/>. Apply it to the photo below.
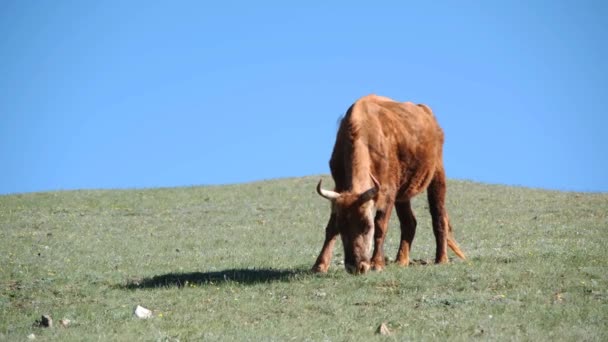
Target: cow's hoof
<point x="378" y="266"/>
<point x="443" y="260"/>
<point x="319" y="268"/>
<point x="403" y="263"/>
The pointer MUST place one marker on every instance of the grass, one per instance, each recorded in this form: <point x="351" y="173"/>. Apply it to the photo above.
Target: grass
<point x="231" y="263"/>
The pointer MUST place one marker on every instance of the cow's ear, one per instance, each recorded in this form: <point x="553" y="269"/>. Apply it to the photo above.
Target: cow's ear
<point x="375" y="181"/>
<point x="368" y="195"/>
<point x="371" y="193"/>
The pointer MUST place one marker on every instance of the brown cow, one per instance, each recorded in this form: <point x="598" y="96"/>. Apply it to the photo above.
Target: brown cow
<point x="386" y="152"/>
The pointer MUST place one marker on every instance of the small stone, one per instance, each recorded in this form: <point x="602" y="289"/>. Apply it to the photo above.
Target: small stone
<point x="320" y="294"/>
<point x="64" y="322"/>
<point x="141" y="312"/>
<point x="31" y="337"/>
<point x="383" y="330"/>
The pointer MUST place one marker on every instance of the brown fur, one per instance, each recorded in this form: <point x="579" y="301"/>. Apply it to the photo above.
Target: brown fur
<point x="400" y="144"/>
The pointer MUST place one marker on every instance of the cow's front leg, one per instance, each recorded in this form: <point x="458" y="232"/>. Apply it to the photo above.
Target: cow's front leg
<point x="380" y="230"/>
<point x="324" y="258"/>
<point x="408" y="231"/>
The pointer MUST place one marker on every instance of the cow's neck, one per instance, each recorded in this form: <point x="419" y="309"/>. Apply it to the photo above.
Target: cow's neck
<point x="359" y="175"/>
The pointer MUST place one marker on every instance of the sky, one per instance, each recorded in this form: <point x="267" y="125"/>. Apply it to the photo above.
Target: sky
<point x="140" y="94"/>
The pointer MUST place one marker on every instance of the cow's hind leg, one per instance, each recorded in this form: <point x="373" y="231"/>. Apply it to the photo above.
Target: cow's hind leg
<point x="441" y="224"/>
<point x="324" y="258"/>
<point x="408" y="231"/>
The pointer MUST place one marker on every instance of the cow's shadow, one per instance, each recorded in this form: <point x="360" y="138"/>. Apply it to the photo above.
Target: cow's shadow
<point x="240" y="276"/>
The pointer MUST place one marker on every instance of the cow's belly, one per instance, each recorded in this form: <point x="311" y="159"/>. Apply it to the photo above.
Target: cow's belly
<point x="415" y="183"/>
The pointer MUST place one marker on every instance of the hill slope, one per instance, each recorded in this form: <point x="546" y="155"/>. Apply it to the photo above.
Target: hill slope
<point x="230" y="262"/>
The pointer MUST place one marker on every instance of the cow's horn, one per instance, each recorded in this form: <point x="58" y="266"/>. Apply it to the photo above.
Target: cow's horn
<point x="330" y="195"/>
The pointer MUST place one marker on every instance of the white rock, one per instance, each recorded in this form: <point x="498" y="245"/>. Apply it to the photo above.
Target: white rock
<point x="383" y="330"/>
<point x="141" y="312"/>
<point x="64" y="322"/>
<point x="31" y="337"/>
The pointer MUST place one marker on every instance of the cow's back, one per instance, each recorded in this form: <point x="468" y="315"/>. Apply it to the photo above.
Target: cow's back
<point x="400" y="143"/>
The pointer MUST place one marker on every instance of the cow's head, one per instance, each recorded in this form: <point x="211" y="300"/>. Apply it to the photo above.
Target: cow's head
<point x="354" y="216"/>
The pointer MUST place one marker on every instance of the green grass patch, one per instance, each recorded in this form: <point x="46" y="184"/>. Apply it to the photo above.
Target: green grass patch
<point x="231" y="263"/>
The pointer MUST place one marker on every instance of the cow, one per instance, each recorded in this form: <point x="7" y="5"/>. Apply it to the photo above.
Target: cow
<point x="386" y="152"/>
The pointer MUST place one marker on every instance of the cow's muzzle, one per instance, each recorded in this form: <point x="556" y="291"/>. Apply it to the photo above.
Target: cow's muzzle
<point x="362" y="268"/>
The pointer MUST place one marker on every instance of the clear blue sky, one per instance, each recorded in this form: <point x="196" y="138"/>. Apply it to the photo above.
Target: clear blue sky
<point x="130" y="94"/>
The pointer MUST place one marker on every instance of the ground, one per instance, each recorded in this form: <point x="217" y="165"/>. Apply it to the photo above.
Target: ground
<point x="231" y="262"/>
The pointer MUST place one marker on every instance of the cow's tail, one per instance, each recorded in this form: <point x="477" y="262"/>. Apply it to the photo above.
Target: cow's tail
<point x="453" y="244"/>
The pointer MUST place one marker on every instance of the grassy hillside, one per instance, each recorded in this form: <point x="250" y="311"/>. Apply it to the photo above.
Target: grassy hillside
<point x="232" y="262"/>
